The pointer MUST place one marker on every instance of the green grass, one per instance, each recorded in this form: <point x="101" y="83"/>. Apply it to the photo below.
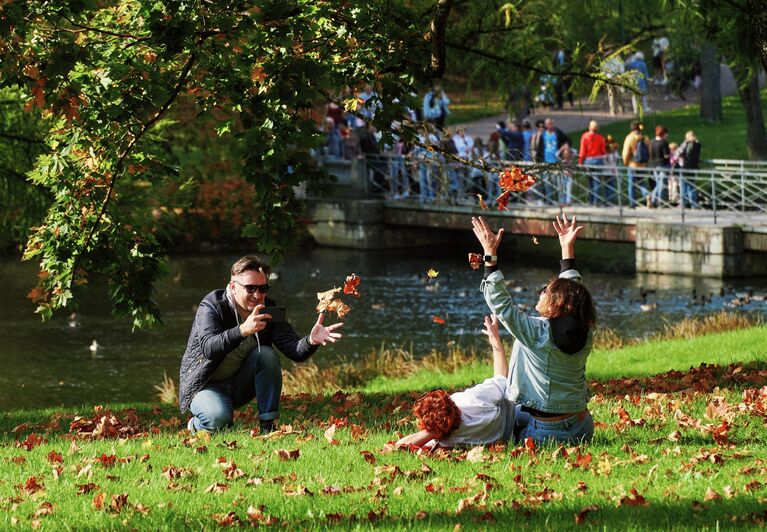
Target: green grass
<point x="724" y="140"/>
<point x="639" y="445"/>
<point x="471" y="109"/>
<point x="640" y="360"/>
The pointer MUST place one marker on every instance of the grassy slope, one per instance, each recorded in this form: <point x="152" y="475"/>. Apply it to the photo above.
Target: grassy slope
<point x="668" y="464"/>
<point x="725" y="140"/>
<point x="643" y="359"/>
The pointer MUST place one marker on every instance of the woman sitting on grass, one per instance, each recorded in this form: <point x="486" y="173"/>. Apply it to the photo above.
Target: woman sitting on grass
<point x="547" y="377"/>
<point x="476" y="416"/>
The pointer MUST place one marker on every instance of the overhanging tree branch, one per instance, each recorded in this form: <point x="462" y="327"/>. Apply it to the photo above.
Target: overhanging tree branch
<point x="121" y="160"/>
<point x="437" y="37"/>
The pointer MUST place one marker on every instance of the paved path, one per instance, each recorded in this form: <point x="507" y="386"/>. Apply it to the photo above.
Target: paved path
<point x="575" y="120"/>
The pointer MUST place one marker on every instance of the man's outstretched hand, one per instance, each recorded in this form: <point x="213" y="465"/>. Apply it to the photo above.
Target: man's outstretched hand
<point x="321" y="335"/>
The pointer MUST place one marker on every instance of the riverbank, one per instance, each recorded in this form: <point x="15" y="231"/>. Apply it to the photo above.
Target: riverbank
<point x="685" y="450"/>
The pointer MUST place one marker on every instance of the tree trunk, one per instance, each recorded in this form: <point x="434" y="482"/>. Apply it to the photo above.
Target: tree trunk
<point x="756" y="137"/>
<point x="758" y="16"/>
<point x="711" y="86"/>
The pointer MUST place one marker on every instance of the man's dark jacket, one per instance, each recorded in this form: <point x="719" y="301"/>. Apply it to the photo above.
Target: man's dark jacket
<point x="216" y="333"/>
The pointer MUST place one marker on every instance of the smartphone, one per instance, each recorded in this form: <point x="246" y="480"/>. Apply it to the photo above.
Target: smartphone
<point x="278" y="313"/>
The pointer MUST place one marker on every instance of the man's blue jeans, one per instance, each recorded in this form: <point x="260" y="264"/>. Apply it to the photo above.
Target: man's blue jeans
<point x="595" y="179"/>
<point x="260" y="376"/>
<point x="640" y="184"/>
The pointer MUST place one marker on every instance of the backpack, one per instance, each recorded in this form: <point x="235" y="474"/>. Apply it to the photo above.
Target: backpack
<point x="641" y="152"/>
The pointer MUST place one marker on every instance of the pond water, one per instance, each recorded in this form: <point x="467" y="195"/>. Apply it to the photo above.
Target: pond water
<point x="47" y="364"/>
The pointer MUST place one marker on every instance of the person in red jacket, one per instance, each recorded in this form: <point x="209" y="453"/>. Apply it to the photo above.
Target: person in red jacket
<point x="591" y="153"/>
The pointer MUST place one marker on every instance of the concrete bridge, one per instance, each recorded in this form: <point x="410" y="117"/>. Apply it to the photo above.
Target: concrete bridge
<point x="706" y="241"/>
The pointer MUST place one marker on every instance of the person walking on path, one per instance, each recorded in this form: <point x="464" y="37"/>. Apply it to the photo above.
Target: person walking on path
<point x="660" y="162"/>
<point x="689" y="161"/>
<point x="547" y="367"/>
<point x="230" y="357"/>
<point x="591" y="152"/>
<point x="636" y="154"/>
<point x="550" y="141"/>
<point x="636" y="63"/>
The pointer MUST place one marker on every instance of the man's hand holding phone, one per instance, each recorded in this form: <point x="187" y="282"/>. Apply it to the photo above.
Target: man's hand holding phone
<point x="255" y="322"/>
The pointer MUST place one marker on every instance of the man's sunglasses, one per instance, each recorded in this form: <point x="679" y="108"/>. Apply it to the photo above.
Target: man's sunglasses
<point x="251" y="288"/>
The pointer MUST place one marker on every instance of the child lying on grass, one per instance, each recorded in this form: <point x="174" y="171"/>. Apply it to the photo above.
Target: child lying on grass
<point x="476" y="416"/>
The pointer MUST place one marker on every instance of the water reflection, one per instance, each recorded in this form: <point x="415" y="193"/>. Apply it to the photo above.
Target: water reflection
<point x="53" y="363"/>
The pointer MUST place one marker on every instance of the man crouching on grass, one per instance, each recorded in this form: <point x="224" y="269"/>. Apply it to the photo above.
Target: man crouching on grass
<point x="476" y="416"/>
<point x="229" y="358"/>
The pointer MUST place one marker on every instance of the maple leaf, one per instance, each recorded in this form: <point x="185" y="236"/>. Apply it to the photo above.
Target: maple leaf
<point x="476" y="454"/>
<point x="634" y="499"/>
<point x="327" y="295"/>
<point x="230" y="519"/>
<point x="711" y="495"/>
<point x="294" y="491"/>
<point x="118" y="502"/>
<point x="368" y="456"/>
<point x="217" y="487"/>
<point x="431" y="273"/>
<point x="437" y="320"/>
<point x="350" y="285"/>
<point x="514" y="180"/>
<point x="257" y="75"/>
<point x="475" y="260"/>
<point x="98" y="501"/>
<point x="333" y="305"/>
<point x="257" y="516"/>
<point x="31" y="486"/>
<point x="582" y="460"/>
<point x="284" y="455"/>
<point x="481" y="200"/>
<point x="580" y="517"/>
<point x="83" y="489"/>
<point x="503" y="200"/>
<point x="55" y="457"/>
<point x="330" y="435"/>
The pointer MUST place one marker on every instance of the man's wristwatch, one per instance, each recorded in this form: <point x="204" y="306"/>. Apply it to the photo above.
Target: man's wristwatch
<point x="491" y="258"/>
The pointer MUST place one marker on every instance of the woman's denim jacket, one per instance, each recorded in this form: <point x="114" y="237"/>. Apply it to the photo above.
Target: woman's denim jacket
<point x="541" y="376"/>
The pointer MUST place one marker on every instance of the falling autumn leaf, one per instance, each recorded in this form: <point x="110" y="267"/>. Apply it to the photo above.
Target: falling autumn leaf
<point x="437" y="320"/>
<point x="481" y="200"/>
<point x="350" y="285"/>
<point x="431" y="273"/>
<point x="535" y="240"/>
<point x="503" y="200"/>
<point x="327" y="295"/>
<point x="475" y="260"/>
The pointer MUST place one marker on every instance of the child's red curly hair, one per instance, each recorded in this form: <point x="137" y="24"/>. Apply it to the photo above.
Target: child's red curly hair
<point x="437" y="413"/>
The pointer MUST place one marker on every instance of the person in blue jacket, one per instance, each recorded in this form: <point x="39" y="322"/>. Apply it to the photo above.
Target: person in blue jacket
<point x="547" y="366"/>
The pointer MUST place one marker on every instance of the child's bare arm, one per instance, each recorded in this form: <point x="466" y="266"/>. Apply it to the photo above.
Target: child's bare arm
<point x="500" y="364"/>
<point x="418" y="439"/>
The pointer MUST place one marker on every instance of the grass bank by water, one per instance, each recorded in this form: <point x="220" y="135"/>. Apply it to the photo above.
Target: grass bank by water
<point x="683" y="450"/>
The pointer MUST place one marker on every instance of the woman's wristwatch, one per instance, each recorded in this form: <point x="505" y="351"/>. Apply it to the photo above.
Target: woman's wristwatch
<point x="490" y="259"/>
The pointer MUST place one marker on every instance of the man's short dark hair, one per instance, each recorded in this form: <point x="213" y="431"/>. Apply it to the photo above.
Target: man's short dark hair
<point x="540" y="123"/>
<point x="251" y="262"/>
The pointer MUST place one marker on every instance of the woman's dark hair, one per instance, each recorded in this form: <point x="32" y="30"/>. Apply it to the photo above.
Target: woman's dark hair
<point x="570" y="298"/>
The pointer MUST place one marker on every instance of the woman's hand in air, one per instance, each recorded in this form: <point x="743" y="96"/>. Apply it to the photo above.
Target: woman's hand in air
<point x="491" y="331"/>
<point x="567" y="231"/>
<point x="489" y="240"/>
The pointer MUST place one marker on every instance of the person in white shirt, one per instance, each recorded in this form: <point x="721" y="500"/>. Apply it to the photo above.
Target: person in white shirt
<point x="463" y="143"/>
<point x="479" y="415"/>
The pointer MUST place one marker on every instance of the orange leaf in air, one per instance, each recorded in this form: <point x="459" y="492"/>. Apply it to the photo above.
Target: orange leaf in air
<point x="438" y="320"/>
<point x="350" y="285"/>
<point x="503" y="200"/>
<point x="475" y="260"/>
<point x="482" y="204"/>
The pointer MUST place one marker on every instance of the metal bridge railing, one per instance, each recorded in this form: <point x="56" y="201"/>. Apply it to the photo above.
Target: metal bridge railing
<point x="430" y="179"/>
